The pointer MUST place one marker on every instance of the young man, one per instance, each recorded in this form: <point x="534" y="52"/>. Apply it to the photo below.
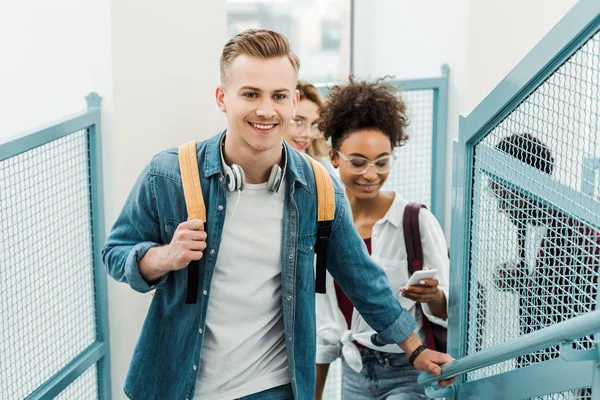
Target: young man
<point x="251" y="334"/>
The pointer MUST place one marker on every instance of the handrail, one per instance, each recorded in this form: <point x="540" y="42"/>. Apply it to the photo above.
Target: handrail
<point x="41" y="135"/>
<point x="587" y="324"/>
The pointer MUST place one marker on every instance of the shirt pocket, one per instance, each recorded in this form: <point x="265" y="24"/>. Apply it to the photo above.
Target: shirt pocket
<point x="305" y="262"/>
<point x="397" y="273"/>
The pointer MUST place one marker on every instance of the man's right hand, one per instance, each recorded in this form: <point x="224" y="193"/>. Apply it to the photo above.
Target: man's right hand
<point x="188" y="244"/>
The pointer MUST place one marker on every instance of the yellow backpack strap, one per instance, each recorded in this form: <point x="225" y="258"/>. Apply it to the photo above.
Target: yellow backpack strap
<point x="325" y="214"/>
<point x="190" y="178"/>
<point x="194" y="202"/>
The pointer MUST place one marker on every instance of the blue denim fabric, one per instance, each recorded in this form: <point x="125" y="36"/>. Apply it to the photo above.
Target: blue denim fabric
<point x="166" y="359"/>
<point x="278" y="393"/>
<point x="385" y="376"/>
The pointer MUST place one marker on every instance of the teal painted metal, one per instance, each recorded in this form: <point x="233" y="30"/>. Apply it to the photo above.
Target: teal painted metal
<point x="71" y="372"/>
<point x="556" y="47"/>
<point x="99" y="352"/>
<point x="553" y="376"/>
<point x="531" y="180"/>
<point x="460" y="247"/>
<point x="438" y="145"/>
<point x="588" y="184"/>
<point x="583" y="325"/>
<point x="13" y="146"/>
<point x="574" y="30"/>
<point x="97" y="202"/>
<point x="439" y="87"/>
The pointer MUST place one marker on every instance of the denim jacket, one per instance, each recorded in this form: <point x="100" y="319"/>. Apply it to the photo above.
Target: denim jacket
<point x="166" y="359"/>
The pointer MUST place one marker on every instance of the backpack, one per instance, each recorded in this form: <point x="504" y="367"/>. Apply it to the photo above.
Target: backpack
<point x="435" y="335"/>
<point x="196" y="209"/>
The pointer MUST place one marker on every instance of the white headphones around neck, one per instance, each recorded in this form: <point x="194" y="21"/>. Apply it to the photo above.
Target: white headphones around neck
<point x="235" y="179"/>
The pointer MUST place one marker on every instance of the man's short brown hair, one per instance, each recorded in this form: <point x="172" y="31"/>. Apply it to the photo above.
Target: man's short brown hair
<point x="259" y="43"/>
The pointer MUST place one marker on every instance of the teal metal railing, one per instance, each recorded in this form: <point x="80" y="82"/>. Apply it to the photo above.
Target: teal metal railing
<point x="525" y="249"/>
<point x="54" y="340"/>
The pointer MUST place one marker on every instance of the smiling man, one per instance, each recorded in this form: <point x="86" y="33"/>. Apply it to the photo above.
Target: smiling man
<point x="251" y="334"/>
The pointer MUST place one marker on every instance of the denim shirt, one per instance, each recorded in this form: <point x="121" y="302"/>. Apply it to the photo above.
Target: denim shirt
<point x="166" y="359"/>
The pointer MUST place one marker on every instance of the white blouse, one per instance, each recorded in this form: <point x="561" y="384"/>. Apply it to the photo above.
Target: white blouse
<point x="389" y="251"/>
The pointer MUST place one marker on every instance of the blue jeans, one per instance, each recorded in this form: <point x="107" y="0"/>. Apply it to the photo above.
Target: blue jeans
<point x="385" y="376"/>
<point x="283" y="392"/>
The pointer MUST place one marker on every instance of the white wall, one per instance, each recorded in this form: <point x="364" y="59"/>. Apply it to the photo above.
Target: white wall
<point x="412" y="39"/>
<point x="52" y="54"/>
<point x="481" y="41"/>
<point x="165" y="70"/>
<point x="501" y="33"/>
<point x="156" y="66"/>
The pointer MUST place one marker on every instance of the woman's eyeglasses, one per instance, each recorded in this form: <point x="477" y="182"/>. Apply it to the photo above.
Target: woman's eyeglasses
<point x="301" y="126"/>
<point x="359" y="165"/>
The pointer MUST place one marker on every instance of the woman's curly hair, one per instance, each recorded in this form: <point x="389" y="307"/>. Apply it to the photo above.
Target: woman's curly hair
<point x="363" y="105"/>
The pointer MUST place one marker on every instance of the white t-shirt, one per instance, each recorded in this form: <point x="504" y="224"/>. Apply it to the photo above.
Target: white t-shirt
<point x="244" y="344"/>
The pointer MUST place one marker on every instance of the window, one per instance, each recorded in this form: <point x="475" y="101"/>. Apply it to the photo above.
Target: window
<point x="319" y="31"/>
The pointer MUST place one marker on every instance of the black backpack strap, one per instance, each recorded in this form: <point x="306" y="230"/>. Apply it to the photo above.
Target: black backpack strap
<point x="321" y="249"/>
<point x="414" y="252"/>
<point x="325" y="214"/>
<point x="412" y="236"/>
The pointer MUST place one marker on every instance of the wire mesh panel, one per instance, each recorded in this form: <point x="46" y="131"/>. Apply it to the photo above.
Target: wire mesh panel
<point x="411" y="175"/>
<point x="535" y="249"/>
<point x="83" y="388"/>
<point x="46" y="274"/>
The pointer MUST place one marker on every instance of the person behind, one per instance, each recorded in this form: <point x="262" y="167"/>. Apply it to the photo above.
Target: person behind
<point x="251" y="334"/>
<point x="365" y="122"/>
<point x="304" y="134"/>
<point x="563" y="283"/>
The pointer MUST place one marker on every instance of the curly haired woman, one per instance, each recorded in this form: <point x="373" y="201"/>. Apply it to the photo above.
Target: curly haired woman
<point x="365" y="122"/>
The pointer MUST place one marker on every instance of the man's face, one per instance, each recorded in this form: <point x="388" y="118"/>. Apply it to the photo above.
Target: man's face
<point x="259" y="99"/>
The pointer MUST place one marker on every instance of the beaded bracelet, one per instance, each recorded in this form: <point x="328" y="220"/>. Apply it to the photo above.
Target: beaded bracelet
<point x="416" y="354"/>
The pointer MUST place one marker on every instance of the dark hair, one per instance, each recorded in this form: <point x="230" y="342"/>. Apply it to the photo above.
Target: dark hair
<point x="363" y="105"/>
<point x="529" y="150"/>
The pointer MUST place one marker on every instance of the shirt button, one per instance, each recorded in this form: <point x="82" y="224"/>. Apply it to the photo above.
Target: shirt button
<point x="195" y="368"/>
<point x="212" y="251"/>
<point x="291" y="256"/>
<point x="220" y="208"/>
<point x="205" y="292"/>
<point x="290" y="338"/>
<point x="289" y="298"/>
<point x="310" y="247"/>
<point x="293" y="213"/>
<point x="199" y="330"/>
<point x="220" y="179"/>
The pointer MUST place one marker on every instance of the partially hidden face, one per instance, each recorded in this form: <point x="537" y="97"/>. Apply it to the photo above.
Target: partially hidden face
<point x="304" y="127"/>
<point x="364" y="159"/>
<point x="517" y="205"/>
<point x="259" y="99"/>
